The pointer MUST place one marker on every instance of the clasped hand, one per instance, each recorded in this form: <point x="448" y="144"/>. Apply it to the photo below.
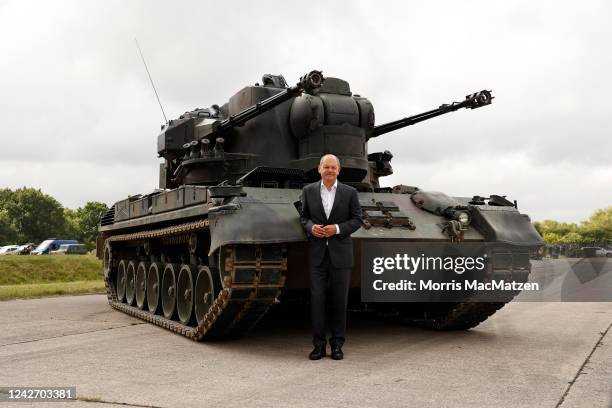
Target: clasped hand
<point x="323" y="231"/>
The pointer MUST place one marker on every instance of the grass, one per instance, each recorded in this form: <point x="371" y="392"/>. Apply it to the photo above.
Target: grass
<point x="23" y="269"/>
<point x="36" y="290"/>
<point x="29" y="276"/>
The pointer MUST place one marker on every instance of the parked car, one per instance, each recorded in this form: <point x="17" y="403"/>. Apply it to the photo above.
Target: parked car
<point x="51" y="244"/>
<point x="596" y="251"/>
<point x="70" y="249"/>
<point x="25" y="249"/>
<point x="8" y="250"/>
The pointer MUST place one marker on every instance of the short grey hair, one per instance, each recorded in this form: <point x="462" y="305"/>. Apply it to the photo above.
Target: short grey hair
<point x="327" y="156"/>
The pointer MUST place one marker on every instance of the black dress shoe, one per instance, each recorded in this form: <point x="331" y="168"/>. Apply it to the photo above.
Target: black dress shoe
<point x="337" y="353"/>
<point x="317" y="353"/>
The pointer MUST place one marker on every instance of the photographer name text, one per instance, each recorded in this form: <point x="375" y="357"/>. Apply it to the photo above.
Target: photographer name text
<point x="429" y="285"/>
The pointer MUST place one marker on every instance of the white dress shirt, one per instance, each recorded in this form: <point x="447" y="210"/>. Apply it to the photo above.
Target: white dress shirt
<point x="327" y="198"/>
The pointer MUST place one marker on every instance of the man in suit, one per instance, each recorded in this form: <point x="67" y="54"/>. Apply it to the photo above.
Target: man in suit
<point x="330" y="214"/>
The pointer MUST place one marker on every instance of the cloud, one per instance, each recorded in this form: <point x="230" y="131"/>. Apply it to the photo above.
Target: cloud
<point x="544" y="191"/>
<point x="80" y="120"/>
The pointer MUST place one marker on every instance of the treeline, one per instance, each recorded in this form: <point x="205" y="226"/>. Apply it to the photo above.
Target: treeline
<point x="596" y="230"/>
<point x="29" y="215"/>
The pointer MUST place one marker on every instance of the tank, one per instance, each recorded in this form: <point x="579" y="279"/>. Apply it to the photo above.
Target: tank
<point x="220" y="242"/>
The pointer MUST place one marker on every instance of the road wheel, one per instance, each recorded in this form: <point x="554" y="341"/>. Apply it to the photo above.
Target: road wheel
<point x="107" y="260"/>
<point x="168" y="291"/>
<point x="130" y="287"/>
<point x="184" y="297"/>
<point x="141" y="284"/>
<point x="153" y="287"/>
<point x="121" y="279"/>
<point x="205" y="292"/>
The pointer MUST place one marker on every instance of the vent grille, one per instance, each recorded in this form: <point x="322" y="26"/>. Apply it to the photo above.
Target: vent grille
<point x="109" y="217"/>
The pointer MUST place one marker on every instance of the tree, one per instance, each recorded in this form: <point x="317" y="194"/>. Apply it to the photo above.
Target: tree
<point x="6" y="194"/>
<point x="87" y="219"/>
<point x="8" y="233"/>
<point x="571" y="238"/>
<point x="34" y="215"/>
<point x="29" y="215"/>
<point x="598" y="228"/>
<point x="551" y="237"/>
<point x="71" y="226"/>
<point x="559" y="228"/>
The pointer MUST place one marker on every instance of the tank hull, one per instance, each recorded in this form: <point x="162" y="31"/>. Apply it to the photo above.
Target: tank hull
<point x="249" y="251"/>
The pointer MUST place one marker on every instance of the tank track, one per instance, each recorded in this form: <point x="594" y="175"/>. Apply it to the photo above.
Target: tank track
<point x="462" y="316"/>
<point x="253" y="278"/>
<point x="470" y="313"/>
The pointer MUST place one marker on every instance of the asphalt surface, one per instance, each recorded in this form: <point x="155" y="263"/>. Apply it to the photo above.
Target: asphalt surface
<point x="526" y="355"/>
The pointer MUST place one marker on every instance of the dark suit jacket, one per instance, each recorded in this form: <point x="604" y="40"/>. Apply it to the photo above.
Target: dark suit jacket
<point x="345" y="212"/>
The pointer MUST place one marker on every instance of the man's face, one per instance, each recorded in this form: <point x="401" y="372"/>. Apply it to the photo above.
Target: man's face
<point x="329" y="170"/>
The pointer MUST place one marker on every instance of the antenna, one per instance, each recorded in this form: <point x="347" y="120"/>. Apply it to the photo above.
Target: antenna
<point x="151" y="79"/>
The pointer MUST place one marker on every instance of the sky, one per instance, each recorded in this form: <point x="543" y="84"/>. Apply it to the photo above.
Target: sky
<point x="80" y="119"/>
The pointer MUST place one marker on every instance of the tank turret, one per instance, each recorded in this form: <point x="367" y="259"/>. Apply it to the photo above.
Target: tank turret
<point x="185" y="143"/>
<point x="280" y="127"/>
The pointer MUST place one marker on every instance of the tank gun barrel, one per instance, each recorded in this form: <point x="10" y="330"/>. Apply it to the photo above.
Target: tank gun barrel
<point x="473" y="101"/>
<point x="308" y="83"/>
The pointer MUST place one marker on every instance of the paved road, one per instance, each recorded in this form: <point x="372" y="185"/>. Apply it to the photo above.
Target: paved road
<point x="527" y="355"/>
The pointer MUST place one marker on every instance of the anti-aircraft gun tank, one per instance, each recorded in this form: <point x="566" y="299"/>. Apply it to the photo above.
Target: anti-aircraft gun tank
<point x="220" y="242"/>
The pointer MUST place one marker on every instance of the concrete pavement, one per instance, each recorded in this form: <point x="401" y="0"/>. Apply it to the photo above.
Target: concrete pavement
<point x="526" y="355"/>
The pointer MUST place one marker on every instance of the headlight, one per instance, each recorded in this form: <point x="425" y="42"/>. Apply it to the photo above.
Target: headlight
<point x="462" y="216"/>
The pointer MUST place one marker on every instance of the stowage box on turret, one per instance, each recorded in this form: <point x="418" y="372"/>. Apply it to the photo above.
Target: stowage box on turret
<point x="209" y="252"/>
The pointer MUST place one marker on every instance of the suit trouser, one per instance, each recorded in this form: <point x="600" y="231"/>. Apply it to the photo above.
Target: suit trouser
<point x="329" y="281"/>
